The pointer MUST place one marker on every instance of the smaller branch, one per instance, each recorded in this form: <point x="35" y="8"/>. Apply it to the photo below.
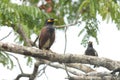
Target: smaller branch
<point x="62" y="26"/>
<point x="43" y="69"/>
<point x="43" y="72"/>
<point x="30" y="76"/>
<point x="99" y="74"/>
<point x="17" y="62"/>
<point x="103" y="76"/>
<point x="22" y="75"/>
<point x="65" y="39"/>
<point x="22" y="33"/>
<point x="65" y="49"/>
<point x="6" y="35"/>
<point x="35" y="71"/>
<point x="34" y="43"/>
<point x="84" y="78"/>
<point x="71" y="70"/>
<point x="81" y="67"/>
<point x="116" y="70"/>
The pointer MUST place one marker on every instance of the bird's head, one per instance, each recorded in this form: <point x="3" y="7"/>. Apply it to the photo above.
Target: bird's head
<point x="90" y="44"/>
<point x="50" y="21"/>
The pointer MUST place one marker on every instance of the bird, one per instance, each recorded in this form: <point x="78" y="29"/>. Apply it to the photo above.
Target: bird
<point x="47" y="34"/>
<point x="90" y="51"/>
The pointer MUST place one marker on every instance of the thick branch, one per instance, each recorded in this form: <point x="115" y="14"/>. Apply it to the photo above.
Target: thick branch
<point x="96" y="76"/>
<point x="55" y="57"/>
<point x="22" y="34"/>
<point x="80" y="66"/>
<point x="22" y="75"/>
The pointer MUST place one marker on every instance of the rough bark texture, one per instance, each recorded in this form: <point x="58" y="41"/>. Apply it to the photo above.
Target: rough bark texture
<point x="71" y="60"/>
<point x="55" y="57"/>
<point x="81" y="67"/>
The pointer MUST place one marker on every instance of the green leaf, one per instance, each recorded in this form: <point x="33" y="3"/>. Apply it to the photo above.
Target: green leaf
<point x="92" y="8"/>
<point x="6" y="60"/>
<point x="85" y="40"/>
<point x="81" y="32"/>
<point x="29" y="61"/>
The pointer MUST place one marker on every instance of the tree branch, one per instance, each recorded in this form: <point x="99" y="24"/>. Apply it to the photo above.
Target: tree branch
<point x="63" y="26"/>
<point x="23" y="34"/>
<point x="17" y="62"/>
<point x="22" y="75"/>
<point x="34" y="74"/>
<point x="6" y="35"/>
<point x="55" y="57"/>
<point x="62" y="66"/>
<point x="81" y="67"/>
<point x="100" y="76"/>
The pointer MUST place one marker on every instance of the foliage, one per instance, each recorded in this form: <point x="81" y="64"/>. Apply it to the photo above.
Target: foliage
<point x="32" y="17"/>
<point x="6" y="60"/>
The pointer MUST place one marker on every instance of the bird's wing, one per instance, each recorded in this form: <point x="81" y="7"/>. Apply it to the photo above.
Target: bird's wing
<point x="96" y="54"/>
<point x="86" y="52"/>
<point x="43" y="37"/>
<point x="52" y="39"/>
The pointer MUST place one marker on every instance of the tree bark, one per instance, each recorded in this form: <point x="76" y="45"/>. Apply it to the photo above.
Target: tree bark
<point x="61" y="58"/>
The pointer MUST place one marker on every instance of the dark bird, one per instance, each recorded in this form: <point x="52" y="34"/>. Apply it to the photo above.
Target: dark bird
<point x="90" y="51"/>
<point x="47" y="35"/>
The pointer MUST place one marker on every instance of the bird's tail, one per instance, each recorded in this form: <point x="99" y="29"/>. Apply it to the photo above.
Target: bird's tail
<point x="95" y="66"/>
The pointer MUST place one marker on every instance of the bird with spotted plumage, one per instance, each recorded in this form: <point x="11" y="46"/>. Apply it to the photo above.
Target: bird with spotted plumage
<point x="47" y="34"/>
<point x="90" y="51"/>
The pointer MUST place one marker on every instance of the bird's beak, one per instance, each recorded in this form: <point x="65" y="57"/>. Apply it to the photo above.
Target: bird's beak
<point x="55" y="20"/>
<point x="49" y="20"/>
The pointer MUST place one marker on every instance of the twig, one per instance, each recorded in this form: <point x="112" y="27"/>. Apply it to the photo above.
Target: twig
<point x="45" y="74"/>
<point x="71" y="70"/>
<point x="34" y="43"/>
<point x="42" y="70"/>
<point x="17" y="62"/>
<point x="22" y="75"/>
<point x="6" y="35"/>
<point x="65" y="40"/>
<point x="63" y="26"/>
<point x="65" y="50"/>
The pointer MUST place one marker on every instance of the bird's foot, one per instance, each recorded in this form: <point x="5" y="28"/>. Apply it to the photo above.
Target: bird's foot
<point x="51" y="51"/>
<point x="46" y="51"/>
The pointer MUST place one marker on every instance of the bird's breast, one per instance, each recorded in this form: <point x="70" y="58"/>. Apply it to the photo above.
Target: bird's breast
<point x="47" y="43"/>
